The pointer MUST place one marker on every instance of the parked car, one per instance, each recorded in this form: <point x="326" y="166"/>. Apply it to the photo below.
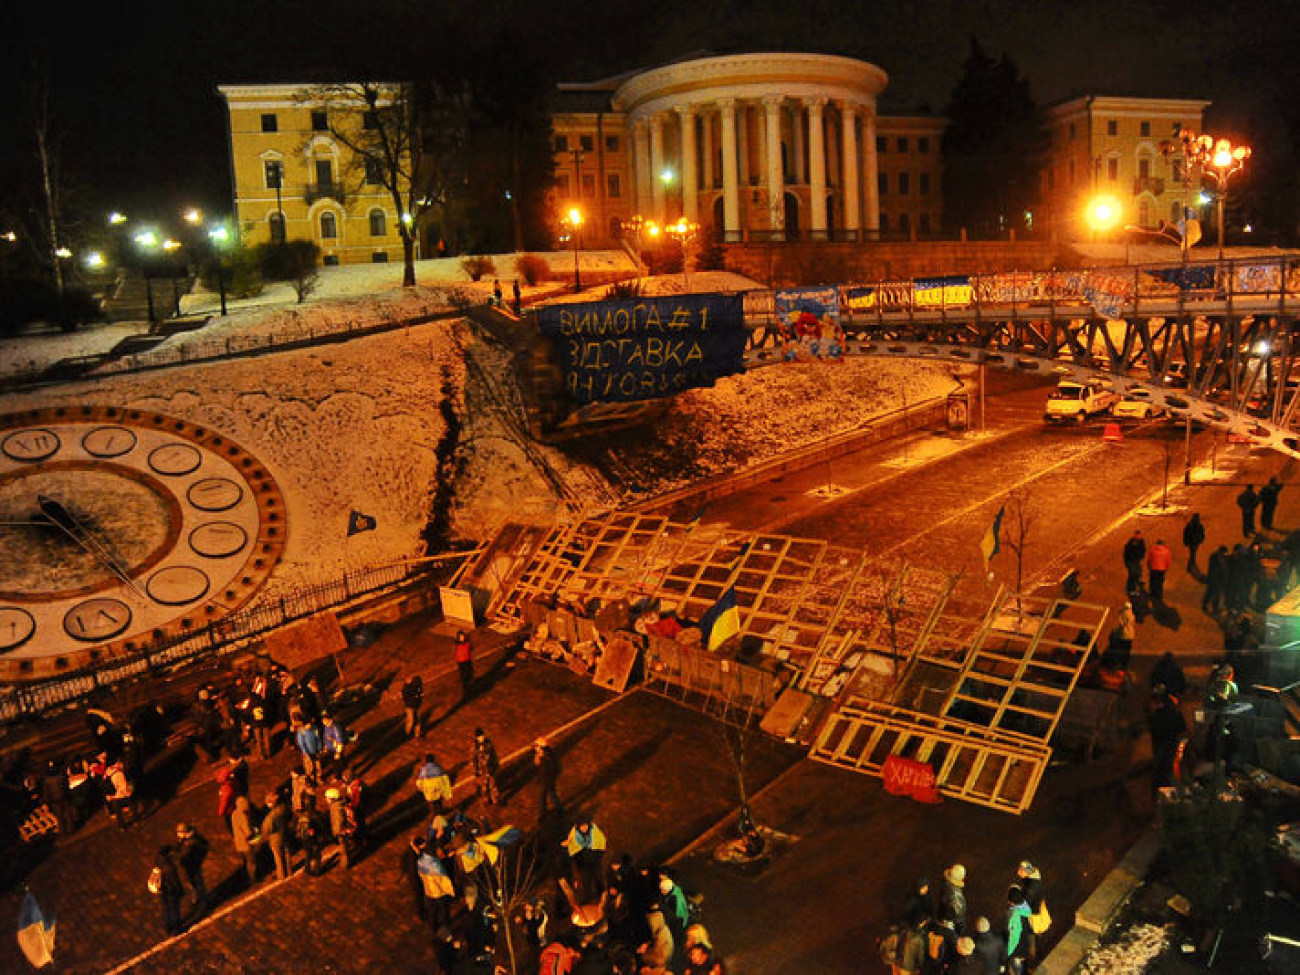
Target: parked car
<point x="1071" y="401"/>
<point x="1137" y="404"/>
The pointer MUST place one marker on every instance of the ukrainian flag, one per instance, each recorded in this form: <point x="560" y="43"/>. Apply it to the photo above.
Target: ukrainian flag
<point x="35" y="933"/>
<point x="991" y="543"/>
<point x="434" y="876"/>
<point x="722" y="620"/>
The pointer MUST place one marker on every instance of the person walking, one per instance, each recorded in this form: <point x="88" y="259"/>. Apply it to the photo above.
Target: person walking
<point x="1158" y="561"/>
<point x="1248" y="501"/>
<point x="486" y="764"/>
<point x="1193" y="538"/>
<point x="1135" y="552"/>
<point x="275" y="831"/>
<point x="1268" y="502"/>
<point x="412" y="698"/>
<point x="246" y="837"/>
<point x="434" y="784"/>
<point x="1216" y="580"/>
<point x="191" y="851"/>
<point x="308" y="739"/>
<point x="165" y="883"/>
<point x="519" y="302"/>
<point x="464" y="662"/>
<point x="547" y="765"/>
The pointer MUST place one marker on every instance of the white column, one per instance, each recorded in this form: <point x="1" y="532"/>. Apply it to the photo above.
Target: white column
<point x="872" y="216"/>
<point x="800" y="171"/>
<point x="642" y="167"/>
<point x="730" y="174"/>
<point x="706" y="122"/>
<point x="775" y="184"/>
<point x="658" y="207"/>
<point x="850" y="160"/>
<point x="690" y="174"/>
<point x="742" y="141"/>
<point x="817" y="165"/>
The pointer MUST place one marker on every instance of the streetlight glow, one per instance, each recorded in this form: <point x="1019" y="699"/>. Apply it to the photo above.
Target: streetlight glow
<point x="666" y="176"/>
<point x="171" y="245"/>
<point x="63" y="252"/>
<point x="95" y="259"/>
<point x="193" y="216"/>
<point x="116" y="218"/>
<point x="575" y="223"/>
<point x="219" y="234"/>
<point x="147" y="238"/>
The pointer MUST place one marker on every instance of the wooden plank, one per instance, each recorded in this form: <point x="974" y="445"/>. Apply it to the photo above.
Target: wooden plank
<point x="614" y="669"/>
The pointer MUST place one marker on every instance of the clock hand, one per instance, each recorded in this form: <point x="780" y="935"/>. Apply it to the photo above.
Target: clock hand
<point x="63" y="519"/>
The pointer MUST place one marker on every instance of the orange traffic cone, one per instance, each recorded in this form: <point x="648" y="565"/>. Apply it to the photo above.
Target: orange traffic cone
<point x="1112" y="433"/>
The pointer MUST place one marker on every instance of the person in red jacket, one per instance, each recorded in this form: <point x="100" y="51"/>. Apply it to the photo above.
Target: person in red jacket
<point x="1158" y="562"/>
<point x="464" y="662"/>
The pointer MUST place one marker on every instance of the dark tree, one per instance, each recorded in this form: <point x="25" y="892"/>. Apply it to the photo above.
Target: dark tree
<point x="992" y="149"/>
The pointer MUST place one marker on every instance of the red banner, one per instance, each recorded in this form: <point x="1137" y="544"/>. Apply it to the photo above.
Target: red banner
<point x="908" y="777"/>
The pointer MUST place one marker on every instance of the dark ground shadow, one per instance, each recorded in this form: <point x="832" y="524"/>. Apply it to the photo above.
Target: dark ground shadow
<point x="1167" y="616"/>
<point x="610" y="772"/>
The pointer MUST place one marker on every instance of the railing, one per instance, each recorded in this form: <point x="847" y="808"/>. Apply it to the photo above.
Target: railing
<point x="25" y="700"/>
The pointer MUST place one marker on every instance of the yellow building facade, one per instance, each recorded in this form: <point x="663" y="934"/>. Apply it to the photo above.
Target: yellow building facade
<point x="1110" y="147"/>
<point x="295" y="180"/>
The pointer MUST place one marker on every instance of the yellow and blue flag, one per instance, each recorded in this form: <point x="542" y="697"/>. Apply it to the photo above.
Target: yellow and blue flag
<point x="35" y="932"/>
<point x="721" y="621"/>
<point x="433" y="875"/>
<point x="991" y="543"/>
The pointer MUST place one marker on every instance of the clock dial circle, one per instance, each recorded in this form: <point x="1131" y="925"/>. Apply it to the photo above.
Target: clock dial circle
<point x="177" y="585"/>
<point x="16" y="627"/>
<point x="214" y="494"/>
<point x="109" y="441"/>
<point x="97" y="619"/>
<point x="31" y="445"/>
<point x="218" y="539"/>
<point x="175" y="459"/>
<point x="124" y="530"/>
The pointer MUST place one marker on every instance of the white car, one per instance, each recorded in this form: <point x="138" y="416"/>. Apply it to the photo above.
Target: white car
<point x="1071" y="401"/>
<point x="1137" y="405"/>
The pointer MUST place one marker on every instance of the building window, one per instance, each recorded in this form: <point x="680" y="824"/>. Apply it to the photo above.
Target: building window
<point x="1144" y="214"/>
<point x="923" y="144"/>
<point x="1144" y="168"/>
<point x="588" y="185"/>
<point x="884" y="223"/>
<point x="378" y="225"/>
<point x="562" y="183"/>
<point x="374" y="171"/>
<point x="904" y="184"/>
<point x="1112" y="127"/>
<point x="613" y="186"/>
<point x="882" y="183"/>
<point x="270" y="123"/>
<point x="882" y="144"/>
<point x="902" y="143"/>
<point x="330" y="260"/>
<point x="320" y="121"/>
<point x="370" y="121"/>
<point x="923" y="184"/>
<point x="276" y="224"/>
<point x="1176" y="168"/>
<point x="611" y="143"/>
<point x="329" y="225"/>
<point x="1145" y="130"/>
<point x="324" y="175"/>
<point x="1112" y="169"/>
<point x="273" y="170"/>
<point x="561" y="143"/>
<point x="586" y="143"/>
<point x="379" y="257"/>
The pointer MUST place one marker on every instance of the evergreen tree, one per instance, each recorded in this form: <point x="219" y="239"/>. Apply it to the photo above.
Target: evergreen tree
<point x="992" y="149"/>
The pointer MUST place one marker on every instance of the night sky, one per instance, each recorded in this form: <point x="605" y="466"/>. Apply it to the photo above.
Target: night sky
<point x="143" y="129"/>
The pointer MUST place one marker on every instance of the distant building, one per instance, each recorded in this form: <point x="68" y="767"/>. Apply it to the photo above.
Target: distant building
<point x="1110" y="146"/>
<point x="749" y="146"/>
<point x="294" y="180"/>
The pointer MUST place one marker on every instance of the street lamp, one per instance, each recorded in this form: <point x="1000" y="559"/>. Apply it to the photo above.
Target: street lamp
<point x="684" y="231"/>
<point x="219" y="235"/>
<point x="193" y="216"/>
<point x="575" y="226"/>
<point x="1217" y="159"/>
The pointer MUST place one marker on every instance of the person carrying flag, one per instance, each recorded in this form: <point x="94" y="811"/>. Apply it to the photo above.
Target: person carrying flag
<point x="434" y="784"/>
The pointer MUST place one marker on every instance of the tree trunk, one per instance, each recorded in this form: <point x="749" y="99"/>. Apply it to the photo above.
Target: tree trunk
<point x="408" y="259"/>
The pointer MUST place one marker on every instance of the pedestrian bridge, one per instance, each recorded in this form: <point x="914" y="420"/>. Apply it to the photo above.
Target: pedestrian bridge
<point x="1211" y="341"/>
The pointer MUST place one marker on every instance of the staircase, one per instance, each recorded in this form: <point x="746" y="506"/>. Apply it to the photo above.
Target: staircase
<point x="128" y="301"/>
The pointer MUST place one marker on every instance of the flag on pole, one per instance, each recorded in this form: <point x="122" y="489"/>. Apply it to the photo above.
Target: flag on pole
<point x="35" y="933"/>
<point x="358" y="523"/>
<point x="991" y="543"/>
<point x="434" y="877"/>
<point x="721" y="621"/>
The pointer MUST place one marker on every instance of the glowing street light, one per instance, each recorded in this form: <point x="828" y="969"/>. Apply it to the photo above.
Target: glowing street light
<point x="220" y="236"/>
<point x="94" y="260"/>
<point x="147" y="238"/>
<point x="116" y="218"/>
<point x="684" y="231"/>
<point x="63" y="252"/>
<point x="1103" y="214"/>
<point x="1217" y="159"/>
<point x="574" y="221"/>
<point x="193" y="216"/>
<point x="171" y="245"/>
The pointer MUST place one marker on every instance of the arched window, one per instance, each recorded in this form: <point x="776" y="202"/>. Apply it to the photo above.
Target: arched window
<point x="329" y="225"/>
<point x="276" y="223"/>
<point x="378" y="225"/>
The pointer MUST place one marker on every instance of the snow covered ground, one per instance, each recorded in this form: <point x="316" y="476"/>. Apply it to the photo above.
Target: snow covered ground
<point x="357" y="425"/>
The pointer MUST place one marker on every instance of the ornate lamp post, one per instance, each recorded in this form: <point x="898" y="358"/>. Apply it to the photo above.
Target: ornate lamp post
<point x="574" y="221"/>
<point x="219" y="236"/>
<point x="1217" y="159"/>
<point x="684" y="231"/>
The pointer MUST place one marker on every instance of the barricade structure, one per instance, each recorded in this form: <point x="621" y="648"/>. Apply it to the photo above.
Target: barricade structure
<point x="856" y="659"/>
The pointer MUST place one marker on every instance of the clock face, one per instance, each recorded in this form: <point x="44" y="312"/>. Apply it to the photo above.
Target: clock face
<point x="120" y="529"/>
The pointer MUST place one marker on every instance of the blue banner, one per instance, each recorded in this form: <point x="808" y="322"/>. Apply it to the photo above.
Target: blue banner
<point x="622" y="351"/>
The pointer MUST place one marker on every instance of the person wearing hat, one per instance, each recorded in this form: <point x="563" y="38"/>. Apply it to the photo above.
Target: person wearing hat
<point x="341" y="822"/>
<point x="700" y="960"/>
<point x="951" y="900"/>
<point x="191" y="851"/>
<point x="275" y="830"/>
<point x="1031" y="885"/>
<point x="585" y="845"/>
<point x="1017" y="930"/>
<point x="486" y="764"/>
<point x="548" y="774"/>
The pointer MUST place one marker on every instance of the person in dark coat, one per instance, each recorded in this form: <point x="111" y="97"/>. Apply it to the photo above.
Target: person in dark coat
<point x="1167" y="676"/>
<point x="1193" y="538"/>
<point x="410" y="869"/>
<point x="412" y="698"/>
<point x="169" y="890"/>
<point x="1216" y="580"/>
<point x="548" y="775"/>
<point x="464" y="662"/>
<point x="1248" y="501"/>
<point x="519" y="304"/>
<point x="1268" y="502"/>
<point x="1135" y="553"/>
<point x="56" y="791"/>
<point x="990" y="949"/>
<point x="919" y="907"/>
<point x="486" y="765"/>
<point x="1168" y="732"/>
<point x="191" y="851"/>
<point x="1237" y="582"/>
<point x="950" y="900"/>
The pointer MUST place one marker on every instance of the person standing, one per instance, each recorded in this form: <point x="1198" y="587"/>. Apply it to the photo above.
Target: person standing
<point x="585" y="845"/>
<point x="519" y="301"/>
<point x="1268" y="502"/>
<point x="485" y="767"/>
<point x="165" y="882"/>
<point x="275" y="831"/>
<point x="341" y="825"/>
<point x="434" y="784"/>
<point x="246" y="837"/>
<point x="496" y="293"/>
<point x="191" y="851"/>
<point x="547" y="765"/>
<point x="1135" y="551"/>
<point x="1193" y="538"/>
<point x="308" y="739"/>
<point x="1216" y="580"/>
<point x="989" y="947"/>
<point x="1168" y="732"/>
<point x="412" y="698"/>
<point x="57" y="793"/>
<point x="309" y="832"/>
<point x="1158" y="561"/>
<point x="1248" y="501"/>
<point x="911" y="953"/>
<point x="951" y="898"/>
<point x="1031" y="885"/>
<point x="464" y="662"/>
<point x="1017" y="931"/>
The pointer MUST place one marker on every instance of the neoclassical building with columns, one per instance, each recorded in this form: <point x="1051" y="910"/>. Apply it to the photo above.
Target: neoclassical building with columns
<point x="758" y="147"/>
